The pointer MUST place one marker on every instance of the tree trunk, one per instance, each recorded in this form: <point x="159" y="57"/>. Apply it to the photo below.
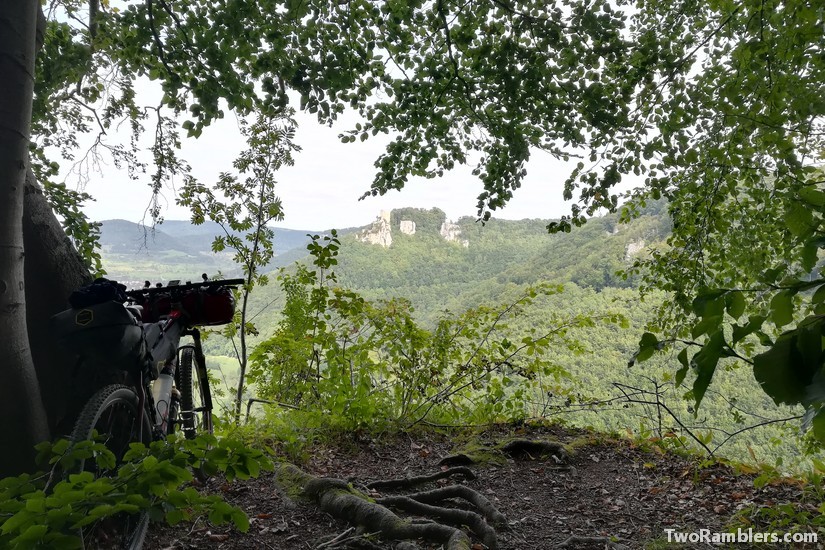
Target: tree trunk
<point x="21" y="408"/>
<point x="53" y="270"/>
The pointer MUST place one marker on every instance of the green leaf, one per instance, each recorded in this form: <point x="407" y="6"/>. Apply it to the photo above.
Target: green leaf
<point x="706" y="325"/>
<point x="781" y="371"/>
<point x="705" y="362"/>
<point x="648" y="339"/>
<point x="754" y="323"/>
<point x="709" y="303"/>
<point x="735" y="303"/>
<point x="812" y="196"/>
<point x="59" y="541"/>
<point x="174" y="516"/>
<point x="32" y="534"/>
<point x="240" y="519"/>
<point x="818" y="425"/>
<point x="682" y="372"/>
<point x="819" y="295"/>
<point x="782" y="307"/>
<point x="18" y="520"/>
<point x="799" y="219"/>
<point x="648" y="344"/>
<point x="809" y="256"/>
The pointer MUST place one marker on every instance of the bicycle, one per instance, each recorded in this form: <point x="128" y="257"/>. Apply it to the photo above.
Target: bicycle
<point x="132" y="338"/>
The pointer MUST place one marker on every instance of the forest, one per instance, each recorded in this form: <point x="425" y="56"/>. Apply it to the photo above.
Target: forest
<point x="662" y="337"/>
<point x="442" y="279"/>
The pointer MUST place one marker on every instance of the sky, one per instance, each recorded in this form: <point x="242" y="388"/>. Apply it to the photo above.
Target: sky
<point x="322" y="190"/>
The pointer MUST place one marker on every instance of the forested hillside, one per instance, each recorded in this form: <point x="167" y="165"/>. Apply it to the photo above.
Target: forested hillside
<point x="591" y="383"/>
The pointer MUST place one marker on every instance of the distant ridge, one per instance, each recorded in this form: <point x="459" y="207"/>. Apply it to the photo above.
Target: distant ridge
<point x="177" y="248"/>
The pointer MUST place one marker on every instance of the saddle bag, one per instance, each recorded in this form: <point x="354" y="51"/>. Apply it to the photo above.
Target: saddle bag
<point x="106" y="334"/>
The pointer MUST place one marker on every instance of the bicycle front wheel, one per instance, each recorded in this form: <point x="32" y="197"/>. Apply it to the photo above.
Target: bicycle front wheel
<point x="195" y="396"/>
<point x="112" y="416"/>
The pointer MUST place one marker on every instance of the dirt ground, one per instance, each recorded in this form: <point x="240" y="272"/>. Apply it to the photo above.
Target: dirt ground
<point x="609" y="489"/>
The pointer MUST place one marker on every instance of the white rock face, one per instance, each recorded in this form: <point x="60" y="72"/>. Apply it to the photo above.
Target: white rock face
<point x="633" y="248"/>
<point x="378" y="233"/>
<point x="452" y="232"/>
<point x="407" y="227"/>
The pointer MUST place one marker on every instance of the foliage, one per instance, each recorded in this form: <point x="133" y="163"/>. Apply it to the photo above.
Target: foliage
<point x="46" y="509"/>
<point x="450" y="84"/>
<point x="358" y="360"/>
<point x="248" y="205"/>
<point x="737" y="142"/>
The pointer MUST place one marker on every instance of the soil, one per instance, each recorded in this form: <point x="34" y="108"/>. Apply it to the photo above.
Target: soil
<point x="611" y="489"/>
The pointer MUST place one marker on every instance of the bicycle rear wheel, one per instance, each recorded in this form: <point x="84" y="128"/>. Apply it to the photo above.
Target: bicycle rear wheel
<point x="113" y="415"/>
<point x="195" y="396"/>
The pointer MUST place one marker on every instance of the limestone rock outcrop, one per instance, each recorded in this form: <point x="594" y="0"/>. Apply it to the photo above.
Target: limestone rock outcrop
<point x="452" y="232"/>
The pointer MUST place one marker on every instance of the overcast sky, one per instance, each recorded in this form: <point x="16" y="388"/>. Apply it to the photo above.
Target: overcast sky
<point x="321" y="191"/>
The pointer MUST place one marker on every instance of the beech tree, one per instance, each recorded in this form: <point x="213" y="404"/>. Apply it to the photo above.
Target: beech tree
<point x="718" y="105"/>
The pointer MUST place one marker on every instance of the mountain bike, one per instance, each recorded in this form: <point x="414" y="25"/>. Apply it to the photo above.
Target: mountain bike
<point x="148" y="385"/>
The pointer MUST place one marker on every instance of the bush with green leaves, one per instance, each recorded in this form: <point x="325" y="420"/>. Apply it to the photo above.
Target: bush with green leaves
<point x="48" y="508"/>
<point x="358" y="360"/>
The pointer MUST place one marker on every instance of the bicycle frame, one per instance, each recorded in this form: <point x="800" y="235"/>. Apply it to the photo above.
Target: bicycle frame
<point x="163" y="339"/>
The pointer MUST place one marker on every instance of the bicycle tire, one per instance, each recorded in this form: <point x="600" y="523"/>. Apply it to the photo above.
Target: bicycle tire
<point x="100" y="415"/>
<point x="195" y="400"/>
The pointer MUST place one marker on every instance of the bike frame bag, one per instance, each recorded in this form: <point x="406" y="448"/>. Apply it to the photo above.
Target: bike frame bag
<point x="105" y="334"/>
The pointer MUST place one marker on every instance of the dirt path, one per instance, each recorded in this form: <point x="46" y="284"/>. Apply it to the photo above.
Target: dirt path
<point x="607" y="489"/>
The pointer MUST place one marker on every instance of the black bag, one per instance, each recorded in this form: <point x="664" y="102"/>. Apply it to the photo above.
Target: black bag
<point x="106" y="334"/>
<point x="100" y="291"/>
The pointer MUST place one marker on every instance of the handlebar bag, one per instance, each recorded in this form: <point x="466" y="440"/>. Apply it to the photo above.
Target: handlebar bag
<point x="212" y="306"/>
<point x="106" y="333"/>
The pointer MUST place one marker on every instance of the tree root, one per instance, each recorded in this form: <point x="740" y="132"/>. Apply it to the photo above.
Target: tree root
<point x="453" y="516"/>
<point x="409" y="482"/>
<point x="487" y="509"/>
<point x="337" y="498"/>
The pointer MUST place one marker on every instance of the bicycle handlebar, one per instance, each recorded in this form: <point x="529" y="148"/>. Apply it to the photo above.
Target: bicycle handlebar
<point x="149" y="291"/>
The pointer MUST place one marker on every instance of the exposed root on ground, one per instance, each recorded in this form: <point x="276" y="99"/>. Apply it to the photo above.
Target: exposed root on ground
<point x="409" y="482"/>
<point x="341" y="500"/>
